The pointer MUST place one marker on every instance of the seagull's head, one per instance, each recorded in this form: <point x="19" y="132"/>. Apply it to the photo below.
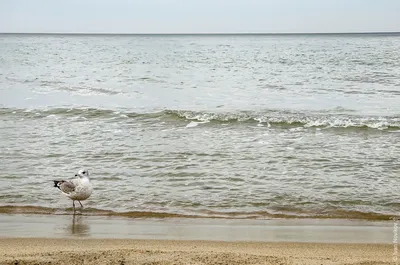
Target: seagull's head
<point x="82" y="173"/>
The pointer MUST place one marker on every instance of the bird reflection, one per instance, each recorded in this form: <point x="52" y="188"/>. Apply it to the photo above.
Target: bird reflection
<point x="78" y="226"/>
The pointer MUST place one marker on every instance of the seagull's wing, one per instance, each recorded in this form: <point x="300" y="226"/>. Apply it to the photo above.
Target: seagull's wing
<point x="65" y="186"/>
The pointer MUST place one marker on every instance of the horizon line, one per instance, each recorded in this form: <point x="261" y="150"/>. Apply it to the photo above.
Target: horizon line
<point x="204" y="33"/>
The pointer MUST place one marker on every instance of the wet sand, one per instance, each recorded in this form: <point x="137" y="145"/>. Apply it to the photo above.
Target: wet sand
<point x="66" y="239"/>
<point x="278" y="230"/>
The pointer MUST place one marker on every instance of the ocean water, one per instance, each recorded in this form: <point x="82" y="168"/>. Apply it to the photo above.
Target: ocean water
<point x="235" y="126"/>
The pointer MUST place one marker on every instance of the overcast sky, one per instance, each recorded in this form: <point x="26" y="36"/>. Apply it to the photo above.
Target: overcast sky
<point x="199" y="16"/>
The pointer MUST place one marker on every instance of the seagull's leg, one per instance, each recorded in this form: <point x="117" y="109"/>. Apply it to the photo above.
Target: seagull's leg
<point x="73" y="204"/>
<point x="80" y="204"/>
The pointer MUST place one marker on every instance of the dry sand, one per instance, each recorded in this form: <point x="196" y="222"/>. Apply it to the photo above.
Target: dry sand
<point x="127" y="251"/>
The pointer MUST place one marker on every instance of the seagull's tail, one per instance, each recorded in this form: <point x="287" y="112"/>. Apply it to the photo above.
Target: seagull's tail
<point x="57" y="183"/>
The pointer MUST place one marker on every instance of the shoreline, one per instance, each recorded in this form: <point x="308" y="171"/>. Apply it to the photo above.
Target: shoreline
<point x="260" y="215"/>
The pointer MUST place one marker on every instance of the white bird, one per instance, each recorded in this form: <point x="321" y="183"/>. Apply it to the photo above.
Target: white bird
<point x="77" y="189"/>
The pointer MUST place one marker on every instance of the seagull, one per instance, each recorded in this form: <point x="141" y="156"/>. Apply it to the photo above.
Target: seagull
<point x="77" y="189"/>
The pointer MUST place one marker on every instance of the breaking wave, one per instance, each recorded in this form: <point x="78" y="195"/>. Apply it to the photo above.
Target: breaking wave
<point x="336" y="118"/>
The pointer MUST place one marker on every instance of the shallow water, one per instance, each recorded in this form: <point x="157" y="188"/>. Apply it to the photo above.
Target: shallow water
<point x="232" y="126"/>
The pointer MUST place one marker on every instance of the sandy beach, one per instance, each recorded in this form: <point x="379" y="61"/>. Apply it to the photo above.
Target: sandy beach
<point x="64" y="239"/>
<point x="126" y="251"/>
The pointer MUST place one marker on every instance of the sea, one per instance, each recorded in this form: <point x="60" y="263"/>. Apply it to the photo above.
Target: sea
<point x="215" y="126"/>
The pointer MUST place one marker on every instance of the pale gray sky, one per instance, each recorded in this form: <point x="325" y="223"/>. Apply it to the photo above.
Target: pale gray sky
<point x="199" y="16"/>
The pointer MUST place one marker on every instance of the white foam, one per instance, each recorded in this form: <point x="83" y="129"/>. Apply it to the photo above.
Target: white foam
<point x="193" y="124"/>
